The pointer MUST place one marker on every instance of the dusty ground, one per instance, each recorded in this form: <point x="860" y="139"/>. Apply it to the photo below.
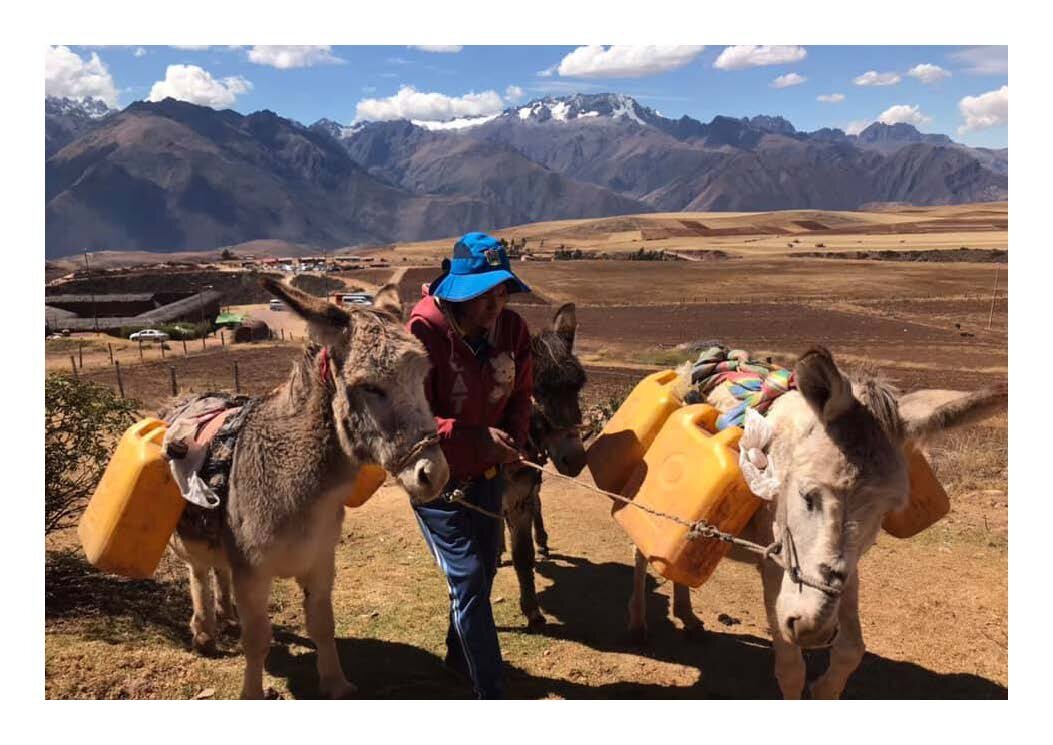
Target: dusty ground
<point x="935" y="608"/>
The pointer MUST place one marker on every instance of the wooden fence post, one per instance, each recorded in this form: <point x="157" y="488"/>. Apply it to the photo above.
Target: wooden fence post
<point x="80" y="351"/>
<point x="162" y="350"/>
<point x="184" y="348"/>
<point x="222" y="341"/>
<point x="110" y="347"/>
<point x="140" y="350"/>
<point x="120" y="383"/>
<point x="73" y="364"/>
<point x="202" y="342"/>
<point x="237" y="381"/>
<point x="171" y="374"/>
<point x="283" y="334"/>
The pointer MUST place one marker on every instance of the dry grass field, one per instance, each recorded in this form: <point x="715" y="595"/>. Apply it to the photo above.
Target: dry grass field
<point x="107" y="637"/>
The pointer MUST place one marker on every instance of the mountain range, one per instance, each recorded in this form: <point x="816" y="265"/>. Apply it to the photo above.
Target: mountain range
<point x="175" y="176"/>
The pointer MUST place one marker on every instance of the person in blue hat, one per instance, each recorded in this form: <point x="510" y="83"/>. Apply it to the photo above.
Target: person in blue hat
<point x="480" y="389"/>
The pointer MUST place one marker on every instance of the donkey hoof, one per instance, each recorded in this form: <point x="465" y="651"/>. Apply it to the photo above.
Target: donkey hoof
<point x="204" y="645"/>
<point x="542" y="551"/>
<point x="536" y="621"/>
<point x="338" y="689"/>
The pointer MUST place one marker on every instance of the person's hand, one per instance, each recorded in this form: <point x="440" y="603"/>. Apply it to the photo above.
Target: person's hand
<point x="502" y="448"/>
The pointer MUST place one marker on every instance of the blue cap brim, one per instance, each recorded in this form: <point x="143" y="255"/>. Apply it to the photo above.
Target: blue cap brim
<point x="460" y="287"/>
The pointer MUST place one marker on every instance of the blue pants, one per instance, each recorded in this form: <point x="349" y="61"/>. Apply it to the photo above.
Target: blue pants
<point x="465" y="544"/>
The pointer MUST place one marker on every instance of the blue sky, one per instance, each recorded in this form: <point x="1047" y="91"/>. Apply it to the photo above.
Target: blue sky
<point x="959" y="91"/>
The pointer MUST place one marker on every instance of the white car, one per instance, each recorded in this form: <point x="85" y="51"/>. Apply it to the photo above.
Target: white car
<point x="149" y="335"/>
<point x="276" y="304"/>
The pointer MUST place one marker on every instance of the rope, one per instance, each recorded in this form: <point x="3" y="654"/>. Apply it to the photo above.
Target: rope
<point x="456" y="496"/>
<point x="702" y="529"/>
<point x="416" y="450"/>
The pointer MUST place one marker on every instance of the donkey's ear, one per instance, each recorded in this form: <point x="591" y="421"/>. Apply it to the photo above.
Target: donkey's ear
<point x="325" y="321"/>
<point x="565" y="323"/>
<point x="930" y="412"/>
<point x="387" y="300"/>
<point x="823" y="385"/>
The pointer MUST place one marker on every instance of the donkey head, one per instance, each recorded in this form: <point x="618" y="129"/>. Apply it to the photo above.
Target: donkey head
<point x="558" y="380"/>
<point x="838" y="449"/>
<point x="376" y="371"/>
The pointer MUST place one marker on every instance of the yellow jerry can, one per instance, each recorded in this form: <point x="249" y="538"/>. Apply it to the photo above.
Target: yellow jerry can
<point x="928" y="501"/>
<point x="620" y="447"/>
<point x="370" y="478"/>
<point x="694" y="474"/>
<point x="135" y="507"/>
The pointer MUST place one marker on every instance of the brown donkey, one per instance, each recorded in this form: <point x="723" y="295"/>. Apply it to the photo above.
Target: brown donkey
<point x="554" y="434"/>
<point x="355" y="397"/>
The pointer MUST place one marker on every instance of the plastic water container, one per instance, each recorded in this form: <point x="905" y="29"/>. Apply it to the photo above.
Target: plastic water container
<point x="620" y="447"/>
<point x="370" y="478"/>
<point x="694" y="474"/>
<point x="135" y="507"/>
<point x="928" y="501"/>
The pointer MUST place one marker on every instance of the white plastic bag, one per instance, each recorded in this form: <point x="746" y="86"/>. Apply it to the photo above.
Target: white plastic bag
<point x="758" y="468"/>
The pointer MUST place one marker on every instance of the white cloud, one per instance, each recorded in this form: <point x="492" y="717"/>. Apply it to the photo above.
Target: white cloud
<point x="872" y="77"/>
<point x="67" y="74"/>
<point x="927" y="73"/>
<point x="438" y="48"/>
<point x="787" y="80"/>
<point x="983" y="60"/>
<point x="597" y="61"/>
<point x="140" y="52"/>
<point x="286" y="57"/>
<point x="409" y="103"/>
<point x="513" y="93"/>
<point x="548" y="72"/>
<point x="857" y="126"/>
<point x="989" y="109"/>
<point x="904" y="114"/>
<point x="192" y="84"/>
<point x="741" y="57"/>
<point x="831" y="98"/>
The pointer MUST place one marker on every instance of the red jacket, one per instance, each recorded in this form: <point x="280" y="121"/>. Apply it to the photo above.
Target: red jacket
<point x="469" y="394"/>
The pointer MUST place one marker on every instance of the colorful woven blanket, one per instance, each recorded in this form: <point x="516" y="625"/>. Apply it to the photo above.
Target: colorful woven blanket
<point x="754" y="384"/>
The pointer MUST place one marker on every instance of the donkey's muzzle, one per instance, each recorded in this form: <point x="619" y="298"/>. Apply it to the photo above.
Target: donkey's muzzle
<point x="426" y="476"/>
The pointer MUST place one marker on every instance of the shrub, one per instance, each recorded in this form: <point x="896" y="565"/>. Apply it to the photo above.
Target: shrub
<point x="82" y="419"/>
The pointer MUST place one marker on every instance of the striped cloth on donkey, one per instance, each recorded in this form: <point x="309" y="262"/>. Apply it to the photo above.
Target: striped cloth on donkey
<point x="753" y="383"/>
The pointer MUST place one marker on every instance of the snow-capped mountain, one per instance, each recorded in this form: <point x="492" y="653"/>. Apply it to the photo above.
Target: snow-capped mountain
<point x="66" y="119"/>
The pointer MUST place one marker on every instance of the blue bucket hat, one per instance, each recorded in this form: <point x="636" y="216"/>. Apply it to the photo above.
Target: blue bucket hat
<point x="479" y="264"/>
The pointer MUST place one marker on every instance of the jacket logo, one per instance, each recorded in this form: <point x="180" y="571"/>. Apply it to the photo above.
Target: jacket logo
<point x="493" y="256"/>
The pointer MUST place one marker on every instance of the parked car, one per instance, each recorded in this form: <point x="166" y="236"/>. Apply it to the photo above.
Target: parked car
<point x="149" y="335"/>
<point x="276" y="304"/>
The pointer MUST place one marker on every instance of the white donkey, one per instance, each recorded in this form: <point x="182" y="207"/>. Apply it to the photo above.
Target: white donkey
<point x="838" y="447"/>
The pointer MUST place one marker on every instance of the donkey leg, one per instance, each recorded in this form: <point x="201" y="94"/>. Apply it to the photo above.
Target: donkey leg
<point x="638" y="600"/>
<point x="226" y="612"/>
<point x="682" y="609"/>
<point x="848" y="648"/>
<point x="203" y="622"/>
<point x="317" y="588"/>
<point x="789" y="662"/>
<point x="519" y="520"/>
<point x="252" y="592"/>
<point x="540" y="534"/>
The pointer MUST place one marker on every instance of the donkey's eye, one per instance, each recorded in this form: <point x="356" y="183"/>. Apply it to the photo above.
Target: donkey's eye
<point x="373" y="390"/>
<point x="811" y="499"/>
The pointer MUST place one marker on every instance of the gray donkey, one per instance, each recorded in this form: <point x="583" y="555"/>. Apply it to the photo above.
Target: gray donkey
<point x="837" y="446"/>
<point x="355" y="397"/>
<point x="554" y="434"/>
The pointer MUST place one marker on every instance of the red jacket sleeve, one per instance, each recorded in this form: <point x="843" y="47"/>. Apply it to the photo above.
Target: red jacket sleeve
<point x="516" y="418"/>
<point x="462" y="444"/>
